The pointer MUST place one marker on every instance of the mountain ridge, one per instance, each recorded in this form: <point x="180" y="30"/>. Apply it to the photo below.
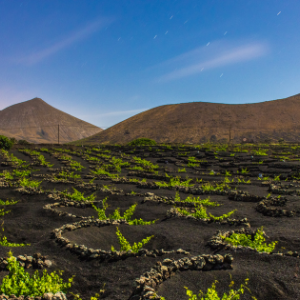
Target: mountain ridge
<point x="197" y="122"/>
<point x="37" y="122"/>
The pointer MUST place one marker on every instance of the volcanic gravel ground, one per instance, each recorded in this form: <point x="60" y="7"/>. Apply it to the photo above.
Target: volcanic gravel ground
<point x="270" y="276"/>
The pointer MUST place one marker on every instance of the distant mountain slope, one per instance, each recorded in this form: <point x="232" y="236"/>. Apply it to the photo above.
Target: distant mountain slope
<point x="198" y="122"/>
<point x="36" y="121"/>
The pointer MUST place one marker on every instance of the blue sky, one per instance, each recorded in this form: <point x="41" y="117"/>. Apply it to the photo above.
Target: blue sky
<point x="105" y="61"/>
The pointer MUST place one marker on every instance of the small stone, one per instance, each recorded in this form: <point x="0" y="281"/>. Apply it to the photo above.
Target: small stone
<point x="21" y="257"/>
<point x="47" y="263"/>
<point x="48" y="296"/>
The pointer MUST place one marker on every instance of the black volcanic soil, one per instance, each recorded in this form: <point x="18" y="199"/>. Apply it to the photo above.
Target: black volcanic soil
<point x="270" y="277"/>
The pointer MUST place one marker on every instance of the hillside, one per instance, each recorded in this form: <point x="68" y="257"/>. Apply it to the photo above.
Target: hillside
<point x="37" y="122"/>
<point x="198" y="122"/>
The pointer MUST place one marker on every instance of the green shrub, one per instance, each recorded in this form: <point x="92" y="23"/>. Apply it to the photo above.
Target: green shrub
<point x="5" y="143"/>
<point x="23" y="142"/>
<point x="142" y="142"/>
<point x="237" y="239"/>
<point x="14" y="140"/>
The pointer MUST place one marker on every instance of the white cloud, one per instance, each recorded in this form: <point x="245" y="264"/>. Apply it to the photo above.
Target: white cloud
<point x="73" y="38"/>
<point x="279" y="13"/>
<point x="220" y="53"/>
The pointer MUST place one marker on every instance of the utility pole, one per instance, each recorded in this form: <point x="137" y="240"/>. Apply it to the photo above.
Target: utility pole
<point x="58" y="133"/>
<point x="229" y="134"/>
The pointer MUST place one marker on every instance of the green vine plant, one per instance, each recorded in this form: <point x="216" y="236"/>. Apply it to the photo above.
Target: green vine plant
<point x="109" y="187"/>
<point x="24" y="182"/>
<point x="125" y="246"/>
<point x="245" y="240"/>
<point x="39" y="157"/>
<point x="226" y="180"/>
<point x="136" y="168"/>
<point x="190" y="198"/>
<point x="119" y="161"/>
<point x="277" y="178"/>
<point x="2" y="212"/>
<point x="198" y="180"/>
<point x="133" y="180"/>
<point x="92" y="180"/>
<point x="19" y="282"/>
<point x="7" y="175"/>
<point x="193" y="160"/>
<point x="175" y="182"/>
<point x="91" y="158"/>
<point x="212" y="172"/>
<point x="212" y="294"/>
<point x="193" y="165"/>
<point x="117" y="168"/>
<point x="65" y="157"/>
<point x="24" y="165"/>
<point x="202" y="214"/>
<point x="7" y="202"/>
<point x="5" y="243"/>
<point x="245" y="171"/>
<point x="182" y="154"/>
<point x="76" y="165"/>
<point x="11" y="157"/>
<point x="77" y="196"/>
<point x="43" y="162"/>
<point x="101" y="291"/>
<point x="227" y="173"/>
<point x="101" y="171"/>
<point x="68" y="174"/>
<point x="297" y="178"/>
<point x="24" y="173"/>
<point x="104" y="156"/>
<point x="137" y="180"/>
<point x="269" y="195"/>
<point x="116" y="215"/>
<point x="259" y="152"/>
<point x="209" y="187"/>
<point x="146" y="164"/>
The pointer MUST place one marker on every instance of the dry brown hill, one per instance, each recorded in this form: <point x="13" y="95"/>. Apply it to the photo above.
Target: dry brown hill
<point x="198" y="122"/>
<point x="37" y="122"/>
